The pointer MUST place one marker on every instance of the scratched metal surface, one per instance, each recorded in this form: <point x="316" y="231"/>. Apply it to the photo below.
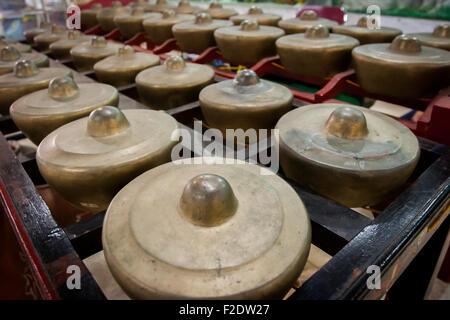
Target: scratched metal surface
<point x="354" y="240"/>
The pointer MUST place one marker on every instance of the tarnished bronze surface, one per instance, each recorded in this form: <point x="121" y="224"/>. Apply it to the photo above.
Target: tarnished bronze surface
<point x="160" y="28"/>
<point x="350" y="154"/>
<point x="316" y="53"/>
<point x="218" y="12"/>
<point x="256" y="14"/>
<point x="130" y="24"/>
<point x="159" y="6"/>
<point x="86" y="55"/>
<point x="44" y="40"/>
<point x="206" y="231"/>
<point x="247" y="43"/>
<point x="10" y="55"/>
<point x="198" y="35"/>
<point x="244" y="103"/>
<point x="403" y="69"/>
<point x="39" y="113"/>
<point x="89" y="16"/>
<point x="90" y="159"/>
<point x="61" y="49"/>
<point x="121" y="69"/>
<point x="31" y="33"/>
<point x="365" y="35"/>
<point x="105" y="16"/>
<point x="186" y="8"/>
<point x="26" y="78"/>
<point x="173" y="84"/>
<point x="307" y="19"/>
<point x="439" y="38"/>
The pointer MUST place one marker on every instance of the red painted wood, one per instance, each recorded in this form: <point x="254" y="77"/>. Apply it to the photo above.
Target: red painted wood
<point x="333" y="87"/>
<point x="434" y="123"/>
<point x="208" y="55"/>
<point x="140" y="38"/>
